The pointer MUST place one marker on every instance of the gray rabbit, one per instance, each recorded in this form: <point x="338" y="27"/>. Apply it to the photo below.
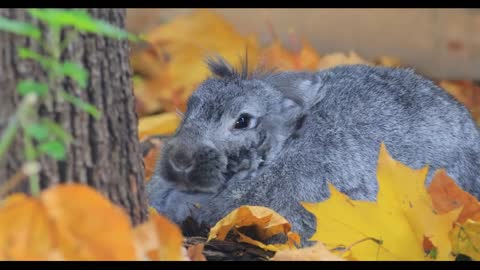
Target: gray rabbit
<point x="275" y="139"/>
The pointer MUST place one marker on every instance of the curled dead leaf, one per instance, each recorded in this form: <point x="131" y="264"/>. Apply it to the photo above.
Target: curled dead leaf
<point x="265" y="221"/>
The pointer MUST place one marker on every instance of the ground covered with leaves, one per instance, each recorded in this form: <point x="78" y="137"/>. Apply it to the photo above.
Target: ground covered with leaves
<point x="409" y="221"/>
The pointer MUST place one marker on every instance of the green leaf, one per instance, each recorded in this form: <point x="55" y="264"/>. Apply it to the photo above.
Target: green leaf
<point x="58" y="131"/>
<point x="20" y="28"/>
<point x="29" y="150"/>
<point x="76" y="72"/>
<point x="109" y="30"/>
<point x="81" y="21"/>
<point x="55" y="16"/>
<point x="29" y="86"/>
<point x="46" y="62"/>
<point x="37" y="131"/>
<point x="87" y="107"/>
<point x="54" y="149"/>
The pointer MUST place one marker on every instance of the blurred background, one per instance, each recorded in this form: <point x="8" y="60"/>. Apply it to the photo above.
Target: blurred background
<point x="441" y="44"/>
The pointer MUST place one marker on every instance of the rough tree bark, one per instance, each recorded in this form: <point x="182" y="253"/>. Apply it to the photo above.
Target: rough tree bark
<point x="106" y="153"/>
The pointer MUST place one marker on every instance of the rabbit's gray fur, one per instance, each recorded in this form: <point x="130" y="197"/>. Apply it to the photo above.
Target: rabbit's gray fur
<point x="312" y="127"/>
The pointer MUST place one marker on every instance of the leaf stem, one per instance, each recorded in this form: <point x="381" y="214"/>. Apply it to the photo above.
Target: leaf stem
<point x="30" y="154"/>
<point x="11" y="130"/>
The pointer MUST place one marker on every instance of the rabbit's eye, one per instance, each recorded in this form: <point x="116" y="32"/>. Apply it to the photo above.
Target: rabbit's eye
<point x="244" y="121"/>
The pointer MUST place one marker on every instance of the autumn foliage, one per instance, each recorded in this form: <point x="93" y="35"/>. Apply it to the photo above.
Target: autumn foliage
<point x="409" y="220"/>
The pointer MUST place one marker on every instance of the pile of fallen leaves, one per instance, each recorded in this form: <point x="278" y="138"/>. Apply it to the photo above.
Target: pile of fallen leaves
<point x="409" y="221"/>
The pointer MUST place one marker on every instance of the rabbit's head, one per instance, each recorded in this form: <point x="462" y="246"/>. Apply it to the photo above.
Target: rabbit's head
<point x="234" y="124"/>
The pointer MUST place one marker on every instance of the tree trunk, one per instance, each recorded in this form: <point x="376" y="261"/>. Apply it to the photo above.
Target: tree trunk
<point x="105" y="153"/>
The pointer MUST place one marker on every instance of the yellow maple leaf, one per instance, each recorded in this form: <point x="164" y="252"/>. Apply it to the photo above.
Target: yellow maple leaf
<point x="397" y="223"/>
<point x="317" y="252"/>
<point x="466" y="239"/>
<point x="266" y="222"/>
<point x="160" y="124"/>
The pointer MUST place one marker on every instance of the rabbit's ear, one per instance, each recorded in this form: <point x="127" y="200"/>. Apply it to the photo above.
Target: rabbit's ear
<point x="302" y="88"/>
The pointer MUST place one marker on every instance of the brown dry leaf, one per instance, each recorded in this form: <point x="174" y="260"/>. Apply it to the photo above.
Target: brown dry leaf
<point x="317" y="252"/>
<point x="337" y="59"/>
<point x="158" y="239"/>
<point x="266" y="222"/>
<point x="160" y="124"/>
<point x="195" y="252"/>
<point x="447" y="196"/>
<point x="174" y="64"/>
<point x="466" y="92"/>
<point x="66" y="222"/>
<point x="278" y="57"/>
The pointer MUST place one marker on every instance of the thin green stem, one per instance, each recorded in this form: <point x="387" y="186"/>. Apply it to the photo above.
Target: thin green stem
<point x="55" y="52"/>
<point x="71" y="36"/>
<point x="8" y="135"/>
<point x="30" y="156"/>
<point x="12" y="128"/>
<point x="26" y="119"/>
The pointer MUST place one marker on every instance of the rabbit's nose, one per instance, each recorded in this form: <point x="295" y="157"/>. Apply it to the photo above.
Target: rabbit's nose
<point x="181" y="161"/>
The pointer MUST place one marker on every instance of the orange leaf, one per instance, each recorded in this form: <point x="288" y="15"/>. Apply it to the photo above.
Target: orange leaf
<point x="159" y="239"/>
<point x="87" y="224"/>
<point x="195" y="252"/>
<point x="277" y="56"/>
<point x="25" y="231"/>
<point x="151" y="157"/>
<point x="447" y="196"/>
<point x="66" y="222"/>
